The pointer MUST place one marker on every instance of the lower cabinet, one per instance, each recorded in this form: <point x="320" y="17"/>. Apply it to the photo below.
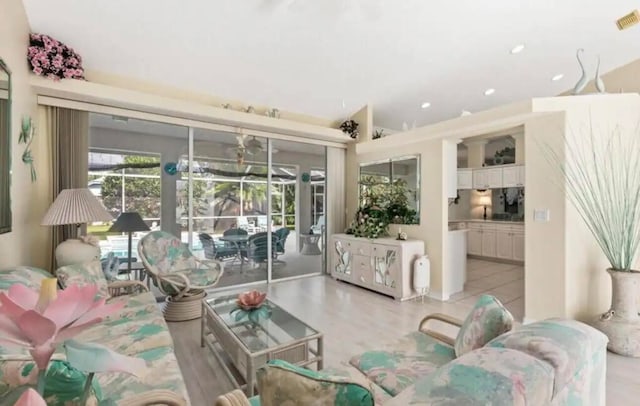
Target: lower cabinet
<point x="383" y="264"/>
<point x="474" y="241"/>
<point x="488" y="243"/>
<point x="491" y="240"/>
<point x="518" y="246"/>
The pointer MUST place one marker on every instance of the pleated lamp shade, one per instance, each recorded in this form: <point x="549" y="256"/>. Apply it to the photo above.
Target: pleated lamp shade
<point x="75" y="206"/>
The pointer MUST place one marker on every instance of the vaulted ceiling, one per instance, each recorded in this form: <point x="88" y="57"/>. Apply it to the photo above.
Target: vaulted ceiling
<point x="327" y="58"/>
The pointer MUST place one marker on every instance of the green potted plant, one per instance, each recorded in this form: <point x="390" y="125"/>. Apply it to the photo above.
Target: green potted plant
<point x="602" y="178"/>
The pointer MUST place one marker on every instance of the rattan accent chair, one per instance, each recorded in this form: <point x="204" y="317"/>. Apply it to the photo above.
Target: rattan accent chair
<point x="177" y="273"/>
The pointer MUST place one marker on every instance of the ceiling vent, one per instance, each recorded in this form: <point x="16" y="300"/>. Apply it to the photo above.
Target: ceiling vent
<point x="629" y="20"/>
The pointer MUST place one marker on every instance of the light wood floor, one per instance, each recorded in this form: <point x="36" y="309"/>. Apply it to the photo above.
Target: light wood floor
<point x="353" y="320"/>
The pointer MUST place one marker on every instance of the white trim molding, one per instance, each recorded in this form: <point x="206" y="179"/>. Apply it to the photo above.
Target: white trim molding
<point x="95" y="97"/>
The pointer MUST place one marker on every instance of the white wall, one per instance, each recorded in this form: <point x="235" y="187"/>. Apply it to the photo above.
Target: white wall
<point x="433" y="205"/>
<point x="28" y="242"/>
<point x="562" y="258"/>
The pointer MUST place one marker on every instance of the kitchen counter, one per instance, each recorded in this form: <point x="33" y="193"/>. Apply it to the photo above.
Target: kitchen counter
<point x="488" y="221"/>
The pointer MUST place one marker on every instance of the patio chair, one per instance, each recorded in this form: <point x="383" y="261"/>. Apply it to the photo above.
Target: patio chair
<point x="215" y="251"/>
<point x="262" y="223"/>
<point x="243" y="224"/>
<point x="178" y="274"/>
<point x="319" y="226"/>
<point x="282" y="234"/>
<point x="257" y="247"/>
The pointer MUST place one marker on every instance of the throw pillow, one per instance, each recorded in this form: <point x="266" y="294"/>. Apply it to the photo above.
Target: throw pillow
<point x="88" y="273"/>
<point x="110" y="267"/>
<point x="488" y="319"/>
<point x="280" y="383"/>
<point x="64" y="384"/>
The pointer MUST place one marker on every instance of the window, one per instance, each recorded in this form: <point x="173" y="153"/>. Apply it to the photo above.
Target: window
<point x="124" y="182"/>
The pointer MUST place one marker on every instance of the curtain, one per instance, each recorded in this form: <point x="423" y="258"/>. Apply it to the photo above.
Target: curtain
<point x="335" y="196"/>
<point x="68" y="135"/>
<point x="5" y="168"/>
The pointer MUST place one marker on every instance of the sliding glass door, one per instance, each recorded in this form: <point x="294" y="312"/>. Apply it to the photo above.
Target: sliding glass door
<point x="297" y="185"/>
<point x="229" y="207"/>
<point x="254" y="203"/>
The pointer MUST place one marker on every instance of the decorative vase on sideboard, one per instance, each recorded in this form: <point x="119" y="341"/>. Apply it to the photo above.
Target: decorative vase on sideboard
<point x="622" y="322"/>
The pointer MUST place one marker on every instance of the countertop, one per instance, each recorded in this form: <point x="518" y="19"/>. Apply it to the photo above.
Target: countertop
<point x="488" y="221"/>
<point x="459" y="230"/>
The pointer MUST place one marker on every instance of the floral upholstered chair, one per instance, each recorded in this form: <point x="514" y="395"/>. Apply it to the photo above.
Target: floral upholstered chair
<point x="178" y="274"/>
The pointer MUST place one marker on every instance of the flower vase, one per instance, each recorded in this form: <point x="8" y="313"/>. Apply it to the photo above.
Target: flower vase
<point x="622" y="322"/>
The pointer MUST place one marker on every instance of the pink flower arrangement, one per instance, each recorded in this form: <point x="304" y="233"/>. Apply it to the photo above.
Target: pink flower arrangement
<point x="53" y="59"/>
<point x="252" y="299"/>
<point x="30" y="398"/>
<point x="42" y="321"/>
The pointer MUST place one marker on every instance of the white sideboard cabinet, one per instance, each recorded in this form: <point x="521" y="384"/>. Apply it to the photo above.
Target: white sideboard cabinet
<point x="382" y="264"/>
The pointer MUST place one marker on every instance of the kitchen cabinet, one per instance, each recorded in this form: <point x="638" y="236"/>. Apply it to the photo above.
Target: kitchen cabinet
<point x="518" y="246"/>
<point x="474" y="241"/>
<point x="382" y="264"/>
<point x="465" y="179"/>
<point x="487" y="178"/>
<point x="513" y="176"/>
<point x="495" y="240"/>
<point x="521" y="173"/>
<point x="480" y="179"/>
<point x="496" y="178"/>
<point x="504" y="244"/>
<point x="488" y="243"/>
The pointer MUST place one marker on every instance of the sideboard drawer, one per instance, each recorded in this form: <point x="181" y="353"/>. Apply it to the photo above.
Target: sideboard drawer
<point x="358" y="248"/>
<point x="362" y="274"/>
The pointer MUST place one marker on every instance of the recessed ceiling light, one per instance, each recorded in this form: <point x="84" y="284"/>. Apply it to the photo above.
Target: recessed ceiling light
<point x="489" y="91"/>
<point x="557" y="77"/>
<point x="425" y="105"/>
<point x="517" y="49"/>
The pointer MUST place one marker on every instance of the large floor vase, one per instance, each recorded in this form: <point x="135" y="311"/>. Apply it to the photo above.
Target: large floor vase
<point x="622" y="322"/>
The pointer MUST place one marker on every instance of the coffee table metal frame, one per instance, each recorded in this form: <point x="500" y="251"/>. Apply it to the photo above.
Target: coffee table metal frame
<point x="214" y="331"/>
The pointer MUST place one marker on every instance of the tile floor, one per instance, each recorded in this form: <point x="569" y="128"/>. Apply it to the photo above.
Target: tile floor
<point x="504" y="281"/>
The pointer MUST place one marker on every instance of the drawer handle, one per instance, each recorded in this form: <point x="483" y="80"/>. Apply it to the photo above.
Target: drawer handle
<point x="362" y="279"/>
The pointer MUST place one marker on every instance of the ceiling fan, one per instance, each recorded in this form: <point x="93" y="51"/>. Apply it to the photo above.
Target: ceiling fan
<point x="251" y="147"/>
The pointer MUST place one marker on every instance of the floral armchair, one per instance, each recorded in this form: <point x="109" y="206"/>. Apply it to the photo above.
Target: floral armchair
<point x="178" y="274"/>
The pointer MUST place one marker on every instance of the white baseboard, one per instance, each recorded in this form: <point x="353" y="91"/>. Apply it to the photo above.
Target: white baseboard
<point x="433" y="294"/>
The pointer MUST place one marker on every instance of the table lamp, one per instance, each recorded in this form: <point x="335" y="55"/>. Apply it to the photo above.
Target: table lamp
<point x="75" y="206"/>
<point x="129" y="222"/>
<point x="485" y="201"/>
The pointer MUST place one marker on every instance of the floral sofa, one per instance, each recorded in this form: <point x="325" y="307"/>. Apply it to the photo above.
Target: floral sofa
<point x="552" y="362"/>
<point x="137" y="330"/>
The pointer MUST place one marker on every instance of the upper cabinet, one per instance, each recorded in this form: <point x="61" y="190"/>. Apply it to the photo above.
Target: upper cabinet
<point x="513" y="176"/>
<point x="491" y="177"/>
<point x="465" y="179"/>
<point x="495" y="178"/>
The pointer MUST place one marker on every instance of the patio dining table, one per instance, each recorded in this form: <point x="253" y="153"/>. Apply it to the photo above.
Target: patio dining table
<point x="239" y="241"/>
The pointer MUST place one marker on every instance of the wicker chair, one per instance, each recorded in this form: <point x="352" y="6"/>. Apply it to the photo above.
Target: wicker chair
<point x="178" y="274"/>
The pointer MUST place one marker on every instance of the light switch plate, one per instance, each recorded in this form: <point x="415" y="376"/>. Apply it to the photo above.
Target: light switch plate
<point x="541" y="215"/>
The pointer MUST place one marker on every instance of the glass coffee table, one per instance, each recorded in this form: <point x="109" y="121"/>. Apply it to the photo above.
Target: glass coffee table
<point x="250" y="340"/>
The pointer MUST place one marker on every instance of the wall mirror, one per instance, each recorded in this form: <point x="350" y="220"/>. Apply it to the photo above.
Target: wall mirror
<point x="393" y="185"/>
<point x="5" y="148"/>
